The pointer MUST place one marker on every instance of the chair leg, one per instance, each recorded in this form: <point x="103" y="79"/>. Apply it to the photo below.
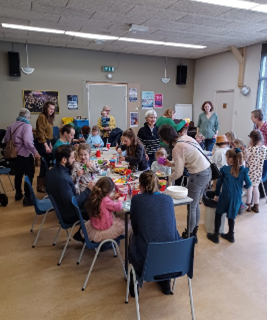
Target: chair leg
<point x="10" y="182"/>
<point x="39" y="231"/>
<point x="119" y="253"/>
<point x="128" y="283"/>
<point x="136" y="294"/>
<point x="173" y="286"/>
<point x="2" y="186"/>
<point x="66" y="244"/>
<point x="92" y="265"/>
<point x="55" y="240"/>
<point x="191" y="298"/>
<point x="81" y="254"/>
<point x="115" y="253"/>
<point x="34" y="221"/>
<point x="264" y="190"/>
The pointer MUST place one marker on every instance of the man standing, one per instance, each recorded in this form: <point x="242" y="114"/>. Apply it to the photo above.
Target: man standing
<point x="105" y="130"/>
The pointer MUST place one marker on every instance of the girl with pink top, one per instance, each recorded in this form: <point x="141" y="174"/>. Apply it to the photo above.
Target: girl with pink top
<point x="100" y="206"/>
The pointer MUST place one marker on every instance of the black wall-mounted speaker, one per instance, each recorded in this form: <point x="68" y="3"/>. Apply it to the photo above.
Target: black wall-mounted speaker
<point x="14" y="64"/>
<point x="181" y="74"/>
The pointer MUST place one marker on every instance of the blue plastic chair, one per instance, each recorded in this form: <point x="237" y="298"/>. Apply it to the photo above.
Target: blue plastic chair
<point x="42" y="207"/>
<point x="55" y="133"/>
<point x="96" y="246"/>
<point x="5" y="171"/>
<point x="165" y="261"/>
<point x="63" y="226"/>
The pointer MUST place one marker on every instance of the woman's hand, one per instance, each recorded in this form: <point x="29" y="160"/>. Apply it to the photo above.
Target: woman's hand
<point x="215" y="136"/>
<point x="48" y="150"/>
<point x="147" y="157"/>
<point x="37" y="156"/>
<point x="216" y="198"/>
<point x="122" y="158"/>
<point x="167" y="163"/>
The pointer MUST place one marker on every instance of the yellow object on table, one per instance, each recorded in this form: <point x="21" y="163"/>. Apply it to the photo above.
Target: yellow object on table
<point x="67" y="120"/>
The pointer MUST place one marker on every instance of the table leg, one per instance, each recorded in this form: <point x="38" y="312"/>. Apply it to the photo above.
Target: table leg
<point x="126" y="242"/>
<point x="188" y="219"/>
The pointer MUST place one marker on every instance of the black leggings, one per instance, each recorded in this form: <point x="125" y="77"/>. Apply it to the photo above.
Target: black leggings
<point x="218" y="219"/>
<point x="23" y="166"/>
<point x="47" y="156"/>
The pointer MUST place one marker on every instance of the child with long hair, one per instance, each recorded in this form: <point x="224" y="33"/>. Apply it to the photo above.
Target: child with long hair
<point x="229" y="200"/>
<point x="257" y="153"/>
<point x="135" y="151"/>
<point x="84" y="170"/>
<point x="100" y="206"/>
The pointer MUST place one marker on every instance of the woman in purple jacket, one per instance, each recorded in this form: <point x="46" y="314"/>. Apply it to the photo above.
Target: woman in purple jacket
<point x="21" y="132"/>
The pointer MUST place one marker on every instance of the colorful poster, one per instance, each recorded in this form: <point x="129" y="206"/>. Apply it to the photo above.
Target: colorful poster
<point x="132" y="94"/>
<point x="72" y="102"/>
<point x="147" y="99"/>
<point x="133" y="119"/>
<point x="33" y="100"/>
<point x="158" y="100"/>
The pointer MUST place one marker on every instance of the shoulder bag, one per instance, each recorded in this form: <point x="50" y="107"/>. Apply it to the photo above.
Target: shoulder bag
<point x="11" y="151"/>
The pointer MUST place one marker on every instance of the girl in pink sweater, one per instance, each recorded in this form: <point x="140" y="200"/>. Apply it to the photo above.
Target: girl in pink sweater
<point x="103" y="224"/>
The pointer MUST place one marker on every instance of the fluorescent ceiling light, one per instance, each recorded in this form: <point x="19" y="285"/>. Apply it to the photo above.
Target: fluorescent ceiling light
<point x="28" y="28"/>
<point x="90" y="35"/>
<point x="260" y="8"/>
<point x="138" y="28"/>
<point x="162" y="43"/>
<point x="231" y="3"/>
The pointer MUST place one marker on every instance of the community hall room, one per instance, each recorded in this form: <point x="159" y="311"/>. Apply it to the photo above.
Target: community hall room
<point x="133" y="159"/>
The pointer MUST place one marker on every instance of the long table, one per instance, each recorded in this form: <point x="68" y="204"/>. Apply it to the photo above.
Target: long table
<point x="177" y="203"/>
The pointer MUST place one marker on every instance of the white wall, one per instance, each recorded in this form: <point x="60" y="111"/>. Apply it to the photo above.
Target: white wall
<point x="220" y="72"/>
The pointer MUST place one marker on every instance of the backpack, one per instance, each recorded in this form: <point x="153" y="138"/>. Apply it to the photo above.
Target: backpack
<point x="11" y="151"/>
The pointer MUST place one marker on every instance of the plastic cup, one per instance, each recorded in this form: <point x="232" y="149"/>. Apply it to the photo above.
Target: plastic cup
<point x="112" y="163"/>
<point x="98" y="154"/>
<point x="161" y="160"/>
<point x="108" y="145"/>
<point x="123" y="192"/>
<point x="163" y="185"/>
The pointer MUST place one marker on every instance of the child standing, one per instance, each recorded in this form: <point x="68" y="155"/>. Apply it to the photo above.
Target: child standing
<point x="95" y="140"/>
<point x="135" y="151"/>
<point x="161" y="153"/>
<point x="231" y="136"/>
<point x="229" y="199"/>
<point x="103" y="224"/>
<point x="257" y="153"/>
<point x="200" y="140"/>
<point x="85" y="170"/>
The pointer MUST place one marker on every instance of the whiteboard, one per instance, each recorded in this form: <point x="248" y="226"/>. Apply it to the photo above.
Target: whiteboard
<point x="183" y="111"/>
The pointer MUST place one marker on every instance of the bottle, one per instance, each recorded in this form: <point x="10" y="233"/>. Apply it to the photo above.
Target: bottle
<point x="108" y="172"/>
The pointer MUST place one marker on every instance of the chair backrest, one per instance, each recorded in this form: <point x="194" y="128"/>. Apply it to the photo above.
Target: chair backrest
<point x="33" y="197"/>
<point x="89" y="244"/>
<point x="45" y="164"/>
<point x="55" y="133"/>
<point x="59" y="216"/>
<point x="169" y="260"/>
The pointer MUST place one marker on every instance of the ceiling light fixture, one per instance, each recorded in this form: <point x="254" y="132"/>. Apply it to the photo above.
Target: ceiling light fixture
<point x="90" y="35"/>
<point x="29" y="28"/>
<point x="137" y="28"/>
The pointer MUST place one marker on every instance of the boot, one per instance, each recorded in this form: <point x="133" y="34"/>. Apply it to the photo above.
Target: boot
<point x="41" y="185"/>
<point x="214" y="237"/>
<point x="184" y="234"/>
<point x="249" y="207"/>
<point x="255" y="208"/>
<point x="194" y="234"/>
<point x="228" y="236"/>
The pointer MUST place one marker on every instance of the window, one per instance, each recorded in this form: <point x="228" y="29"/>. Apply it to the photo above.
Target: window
<point x="262" y="86"/>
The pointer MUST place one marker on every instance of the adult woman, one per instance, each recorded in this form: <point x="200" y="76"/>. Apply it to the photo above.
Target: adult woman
<point x="44" y="135"/>
<point x="21" y="132"/>
<point x="257" y="119"/>
<point x="186" y="153"/>
<point x="167" y="118"/>
<point x="148" y="222"/>
<point x="148" y="135"/>
<point x="67" y="133"/>
<point x="208" y="125"/>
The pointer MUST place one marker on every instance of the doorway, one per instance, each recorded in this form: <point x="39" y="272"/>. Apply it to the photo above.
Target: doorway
<point x="225" y="110"/>
<point x="113" y="95"/>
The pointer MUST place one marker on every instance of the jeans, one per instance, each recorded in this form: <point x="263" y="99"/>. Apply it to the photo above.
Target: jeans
<point x="196" y="187"/>
<point x="209" y="143"/>
<point x="23" y="166"/>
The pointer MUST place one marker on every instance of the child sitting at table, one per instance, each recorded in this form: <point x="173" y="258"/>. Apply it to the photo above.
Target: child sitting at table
<point x="200" y="140"/>
<point x="95" y="140"/>
<point x="84" y="171"/>
<point x="135" y="151"/>
<point x="156" y="167"/>
<point x="100" y="206"/>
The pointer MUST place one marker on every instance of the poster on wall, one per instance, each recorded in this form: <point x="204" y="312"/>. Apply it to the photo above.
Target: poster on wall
<point x="33" y="100"/>
<point x="72" y="102"/>
<point x="147" y="99"/>
<point x="133" y="119"/>
<point x="158" y="100"/>
<point x="132" y="94"/>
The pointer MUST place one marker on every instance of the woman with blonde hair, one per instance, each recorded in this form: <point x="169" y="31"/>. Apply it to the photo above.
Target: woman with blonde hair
<point x="167" y="118"/>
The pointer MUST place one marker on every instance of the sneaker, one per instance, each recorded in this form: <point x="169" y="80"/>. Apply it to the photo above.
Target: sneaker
<point x="214" y="237"/>
<point x="18" y="196"/>
<point x="27" y="202"/>
<point x="242" y="208"/>
<point x="78" y="236"/>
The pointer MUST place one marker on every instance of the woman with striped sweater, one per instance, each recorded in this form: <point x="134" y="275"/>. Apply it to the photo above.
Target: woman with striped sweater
<point x="148" y="135"/>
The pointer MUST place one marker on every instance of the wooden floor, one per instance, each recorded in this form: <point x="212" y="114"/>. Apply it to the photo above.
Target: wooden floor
<point x="230" y="280"/>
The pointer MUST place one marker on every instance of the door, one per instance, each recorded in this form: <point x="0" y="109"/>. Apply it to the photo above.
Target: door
<point x="224" y="108"/>
<point x="113" y="95"/>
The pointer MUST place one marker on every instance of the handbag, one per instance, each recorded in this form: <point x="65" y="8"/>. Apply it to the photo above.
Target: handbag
<point x="11" y="151"/>
<point x="215" y="172"/>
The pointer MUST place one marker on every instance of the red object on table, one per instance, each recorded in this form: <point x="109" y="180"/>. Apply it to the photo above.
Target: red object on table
<point x="108" y="145"/>
<point x="128" y="171"/>
<point x="98" y="154"/>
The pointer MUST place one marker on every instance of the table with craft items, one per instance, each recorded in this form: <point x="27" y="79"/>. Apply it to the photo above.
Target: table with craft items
<point x="107" y="155"/>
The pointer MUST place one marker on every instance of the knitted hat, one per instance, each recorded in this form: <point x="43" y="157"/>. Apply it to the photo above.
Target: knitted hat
<point x="221" y="139"/>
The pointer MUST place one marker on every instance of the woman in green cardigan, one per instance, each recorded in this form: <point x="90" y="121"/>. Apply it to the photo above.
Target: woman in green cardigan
<point x="167" y="118"/>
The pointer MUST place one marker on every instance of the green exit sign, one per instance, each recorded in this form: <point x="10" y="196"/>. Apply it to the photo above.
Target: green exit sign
<point x="108" y="69"/>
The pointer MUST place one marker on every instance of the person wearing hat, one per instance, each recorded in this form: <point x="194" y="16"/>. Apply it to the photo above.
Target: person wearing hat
<point x="219" y="157"/>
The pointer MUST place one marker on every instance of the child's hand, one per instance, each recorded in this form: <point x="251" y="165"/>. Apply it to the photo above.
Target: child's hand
<point x="79" y="173"/>
<point x="216" y="198"/>
<point x="147" y="157"/>
<point x="121" y="199"/>
<point x="122" y="158"/>
<point x="119" y="150"/>
<point x="89" y="164"/>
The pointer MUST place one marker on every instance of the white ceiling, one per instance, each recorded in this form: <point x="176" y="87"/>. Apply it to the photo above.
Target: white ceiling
<point x="182" y="21"/>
